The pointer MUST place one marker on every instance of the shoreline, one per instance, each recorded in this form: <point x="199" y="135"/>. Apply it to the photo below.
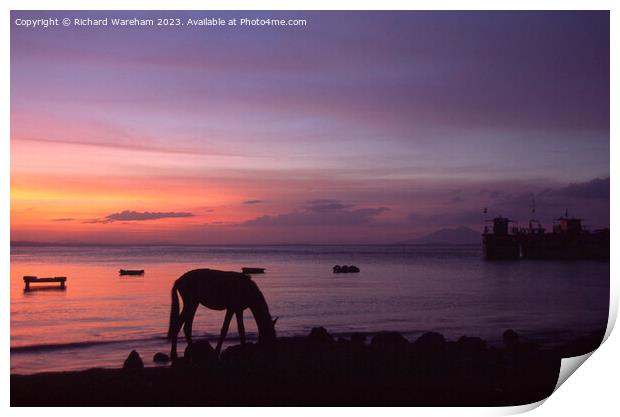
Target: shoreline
<point x="546" y="340"/>
<point x="319" y="369"/>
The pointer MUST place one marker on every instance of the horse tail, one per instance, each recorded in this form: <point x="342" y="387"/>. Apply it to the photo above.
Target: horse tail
<point x="174" y="311"/>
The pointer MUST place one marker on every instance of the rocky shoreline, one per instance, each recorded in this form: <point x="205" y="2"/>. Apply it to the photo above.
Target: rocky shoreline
<point x="318" y="370"/>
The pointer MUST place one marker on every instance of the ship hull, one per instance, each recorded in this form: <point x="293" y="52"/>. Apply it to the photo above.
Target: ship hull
<point x="555" y="246"/>
<point x="501" y="247"/>
<point x="550" y="246"/>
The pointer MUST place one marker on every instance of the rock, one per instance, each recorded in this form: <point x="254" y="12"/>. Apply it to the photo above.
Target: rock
<point x="358" y="338"/>
<point x="471" y="344"/>
<point x="468" y="352"/>
<point x="337" y="269"/>
<point x="430" y="342"/>
<point x="511" y="338"/>
<point x="430" y="353"/>
<point x="392" y="339"/>
<point x="200" y="352"/>
<point x="354" y="269"/>
<point x="133" y="361"/>
<point x="180" y="363"/>
<point x="320" y="335"/>
<point x="237" y="353"/>
<point x="160" y="357"/>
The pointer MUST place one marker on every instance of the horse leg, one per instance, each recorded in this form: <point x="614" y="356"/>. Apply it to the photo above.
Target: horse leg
<point x="175" y="331"/>
<point x="188" y="314"/>
<point x="227" y="319"/>
<point x="240" y="327"/>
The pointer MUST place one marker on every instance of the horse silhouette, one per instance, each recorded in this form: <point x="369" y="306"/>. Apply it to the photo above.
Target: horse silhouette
<point x="218" y="290"/>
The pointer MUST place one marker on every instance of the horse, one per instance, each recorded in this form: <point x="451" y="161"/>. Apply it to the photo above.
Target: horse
<point x="218" y="290"/>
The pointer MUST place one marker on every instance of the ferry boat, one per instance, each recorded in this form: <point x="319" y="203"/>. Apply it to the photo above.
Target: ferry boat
<point x="567" y="240"/>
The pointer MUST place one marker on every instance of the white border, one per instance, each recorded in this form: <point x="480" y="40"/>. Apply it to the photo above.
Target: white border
<point x="592" y="391"/>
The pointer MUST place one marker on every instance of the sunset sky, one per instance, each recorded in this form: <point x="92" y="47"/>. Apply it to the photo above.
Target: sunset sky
<point x="357" y="128"/>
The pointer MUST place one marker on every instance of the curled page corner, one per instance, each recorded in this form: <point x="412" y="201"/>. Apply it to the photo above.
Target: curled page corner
<point x="569" y="366"/>
<point x="613" y="314"/>
<point x="520" y="409"/>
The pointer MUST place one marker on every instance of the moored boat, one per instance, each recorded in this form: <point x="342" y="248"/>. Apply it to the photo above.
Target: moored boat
<point x="568" y="240"/>
<point x="248" y="270"/>
<point x="345" y="269"/>
<point x="500" y="243"/>
<point x="131" y="272"/>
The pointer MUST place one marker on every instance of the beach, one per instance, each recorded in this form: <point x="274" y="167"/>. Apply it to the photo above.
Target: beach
<point x="391" y="334"/>
<point x="319" y="370"/>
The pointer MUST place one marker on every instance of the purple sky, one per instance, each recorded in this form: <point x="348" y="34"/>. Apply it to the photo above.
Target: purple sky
<point x="369" y="126"/>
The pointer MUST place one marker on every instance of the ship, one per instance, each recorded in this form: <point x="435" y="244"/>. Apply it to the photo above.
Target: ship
<point x="567" y="240"/>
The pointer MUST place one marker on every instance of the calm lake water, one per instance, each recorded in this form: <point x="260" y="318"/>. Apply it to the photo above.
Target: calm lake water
<point x="101" y="316"/>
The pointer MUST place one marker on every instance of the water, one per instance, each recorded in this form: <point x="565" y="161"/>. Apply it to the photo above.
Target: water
<point x="411" y="289"/>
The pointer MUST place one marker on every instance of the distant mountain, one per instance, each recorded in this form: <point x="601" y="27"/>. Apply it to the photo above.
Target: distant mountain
<point x="459" y="236"/>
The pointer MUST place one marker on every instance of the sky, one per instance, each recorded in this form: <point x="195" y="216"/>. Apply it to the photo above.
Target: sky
<point x="359" y="127"/>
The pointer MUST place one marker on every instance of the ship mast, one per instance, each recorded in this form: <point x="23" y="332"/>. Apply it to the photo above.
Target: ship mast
<point x="533" y="220"/>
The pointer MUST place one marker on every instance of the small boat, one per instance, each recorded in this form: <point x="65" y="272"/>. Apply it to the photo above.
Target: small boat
<point x="247" y="270"/>
<point x="131" y="272"/>
<point x="345" y="269"/>
<point x="30" y="279"/>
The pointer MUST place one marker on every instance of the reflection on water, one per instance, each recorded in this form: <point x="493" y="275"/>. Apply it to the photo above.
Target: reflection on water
<point x="403" y="288"/>
<point x="39" y="288"/>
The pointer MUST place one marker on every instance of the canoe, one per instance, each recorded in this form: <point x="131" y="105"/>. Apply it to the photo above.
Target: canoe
<point x="345" y="269"/>
<point x="247" y="270"/>
<point x="131" y="272"/>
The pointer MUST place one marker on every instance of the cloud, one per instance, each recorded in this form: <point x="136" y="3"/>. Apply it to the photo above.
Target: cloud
<point x="583" y="194"/>
<point x="252" y="201"/>
<point x="595" y="189"/>
<point x="321" y="213"/>
<point x="128" y="215"/>
<point x="63" y="219"/>
<point x="588" y="199"/>
<point x="327" y="205"/>
<point x="448" y="219"/>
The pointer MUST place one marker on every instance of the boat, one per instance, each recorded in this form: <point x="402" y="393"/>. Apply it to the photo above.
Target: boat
<point x="30" y="279"/>
<point x="567" y="240"/>
<point x="248" y="270"/>
<point x="131" y="272"/>
<point x="345" y="269"/>
<point x="500" y="243"/>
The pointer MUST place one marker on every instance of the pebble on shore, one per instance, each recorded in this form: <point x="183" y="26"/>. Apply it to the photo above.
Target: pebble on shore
<point x="133" y="361"/>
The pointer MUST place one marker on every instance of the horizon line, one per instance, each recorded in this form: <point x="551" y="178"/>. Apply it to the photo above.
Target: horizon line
<point x="35" y="243"/>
